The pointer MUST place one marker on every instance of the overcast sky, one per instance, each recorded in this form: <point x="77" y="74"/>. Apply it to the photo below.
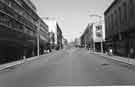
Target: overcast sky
<point x="72" y="15"/>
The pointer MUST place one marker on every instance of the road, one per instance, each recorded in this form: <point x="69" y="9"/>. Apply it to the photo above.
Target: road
<point x="68" y="67"/>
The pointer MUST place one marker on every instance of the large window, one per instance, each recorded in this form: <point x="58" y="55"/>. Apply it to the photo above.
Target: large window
<point x="15" y="16"/>
<point x="116" y="18"/>
<point x="131" y="8"/>
<point x="112" y="22"/>
<point x="23" y="11"/>
<point x="125" y="12"/>
<point x="120" y="16"/>
<point x="10" y="22"/>
<point x="107" y="22"/>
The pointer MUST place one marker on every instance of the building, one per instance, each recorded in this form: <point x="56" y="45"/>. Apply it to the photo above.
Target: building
<point x="86" y="39"/>
<point x="30" y="4"/>
<point x="59" y="37"/>
<point x="52" y="26"/>
<point x="77" y="42"/>
<point x="18" y="30"/>
<point x="51" y="39"/>
<point x="93" y="36"/>
<point x="98" y="36"/>
<point x="55" y="31"/>
<point x="120" y="27"/>
<point x="43" y="36"/>
<point x="64" y="42"/>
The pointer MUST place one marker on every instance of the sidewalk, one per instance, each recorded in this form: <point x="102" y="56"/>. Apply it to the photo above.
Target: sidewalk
<point x="117" y="58"/>
<point x="7" y="65"/>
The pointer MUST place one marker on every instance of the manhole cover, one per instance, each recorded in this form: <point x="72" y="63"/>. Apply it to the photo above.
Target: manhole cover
<point x="105" y="64"/>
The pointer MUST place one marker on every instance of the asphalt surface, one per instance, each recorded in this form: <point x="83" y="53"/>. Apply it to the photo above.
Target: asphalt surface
<point x="69" y="67"/>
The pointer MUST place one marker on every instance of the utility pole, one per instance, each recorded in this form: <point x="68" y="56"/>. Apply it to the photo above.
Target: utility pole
<point x="38" y="37"/>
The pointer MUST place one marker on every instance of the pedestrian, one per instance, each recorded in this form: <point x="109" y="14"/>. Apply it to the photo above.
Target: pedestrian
<point x="131" y="53"/>
<point x="110" y="51"/>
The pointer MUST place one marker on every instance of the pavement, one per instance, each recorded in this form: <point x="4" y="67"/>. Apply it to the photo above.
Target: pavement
<point x="11" y="64"/>
<point x="117" y="58"/>
<point x="15" y="63"/>
<point x="69" y="67"/>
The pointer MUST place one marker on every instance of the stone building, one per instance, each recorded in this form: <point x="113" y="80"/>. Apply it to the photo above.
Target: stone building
<point x="18" y="30"/>
<point x="120" y="27"/>
<point x="59" y="37"/>
<point x="87" y="37"/>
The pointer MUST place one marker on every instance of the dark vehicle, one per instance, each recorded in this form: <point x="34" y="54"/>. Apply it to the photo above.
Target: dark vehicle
<point x="57" y="48"/>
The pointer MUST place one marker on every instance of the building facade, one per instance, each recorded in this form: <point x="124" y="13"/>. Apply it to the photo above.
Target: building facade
<point x="87" y="37"/>
<point x="51" y="40"/>
<point x="59" y="37"/>
<point x="55" y="32"/>
<point x="98" y="36"/>
<point x="64" y="42"/>
<point x="120" y="27"/>
<point x="94" y="37"/>
<point x="18" y="30"/>
<point x="52" y="26"/>
<point x="77" y="42"/>
<point x="43" y="36"/>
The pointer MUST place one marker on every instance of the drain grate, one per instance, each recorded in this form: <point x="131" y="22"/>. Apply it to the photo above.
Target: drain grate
<point x="105" y="64"/>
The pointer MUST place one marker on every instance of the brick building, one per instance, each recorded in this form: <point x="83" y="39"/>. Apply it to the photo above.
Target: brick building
<point x="120" y="27"/>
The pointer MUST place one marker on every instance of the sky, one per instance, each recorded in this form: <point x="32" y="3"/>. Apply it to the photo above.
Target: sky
<point x="72" y="15"/>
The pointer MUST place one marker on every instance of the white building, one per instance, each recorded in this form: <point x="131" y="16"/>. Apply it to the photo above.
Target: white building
<point x="52" y="27"/>
<point x="98" y="32"/>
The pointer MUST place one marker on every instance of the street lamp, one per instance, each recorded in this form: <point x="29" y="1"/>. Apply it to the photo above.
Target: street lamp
<point x="100" y="21"/>
<point x="38" y="37"/>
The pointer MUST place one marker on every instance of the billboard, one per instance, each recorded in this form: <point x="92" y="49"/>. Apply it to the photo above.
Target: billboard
<point x="98" y="32"/>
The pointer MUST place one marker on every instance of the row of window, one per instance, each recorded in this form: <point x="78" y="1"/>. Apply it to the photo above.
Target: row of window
<point x="27" y="8"/>
<point x="43" y="28"/>
<point x="12" y="13"/>
<point x="120" y="15"/>
<point x="19" y="9"/>
<point x="12" y="8"/>
<point x="30" y="4"/>
<point x="13" y="24"/>
<point x="6" y="20"/>
<point x="45" y="35"/>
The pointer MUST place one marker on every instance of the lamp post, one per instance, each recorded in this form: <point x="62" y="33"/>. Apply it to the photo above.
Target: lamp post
<point x="38" y="37"/>
<point x="100" y="20"/>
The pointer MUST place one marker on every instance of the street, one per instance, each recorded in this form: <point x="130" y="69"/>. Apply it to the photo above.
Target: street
<point x="68" y="67"/>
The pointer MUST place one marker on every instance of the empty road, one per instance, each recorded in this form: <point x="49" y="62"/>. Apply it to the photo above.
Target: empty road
<point x="68" y="67"/>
